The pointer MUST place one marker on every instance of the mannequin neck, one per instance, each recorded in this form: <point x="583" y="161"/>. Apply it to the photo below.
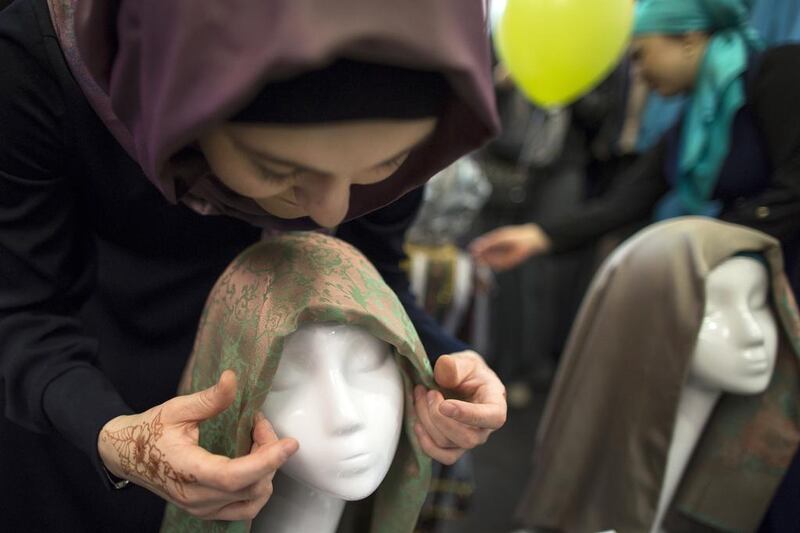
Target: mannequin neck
<point x="694" y="409"/>
<point x="297" y="508"/>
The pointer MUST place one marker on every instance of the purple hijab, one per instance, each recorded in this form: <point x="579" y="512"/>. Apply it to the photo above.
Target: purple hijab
<point x="159" y="72"/>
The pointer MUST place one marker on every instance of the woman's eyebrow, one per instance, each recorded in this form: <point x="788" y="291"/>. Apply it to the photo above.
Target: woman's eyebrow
<point x="296" y="166"/>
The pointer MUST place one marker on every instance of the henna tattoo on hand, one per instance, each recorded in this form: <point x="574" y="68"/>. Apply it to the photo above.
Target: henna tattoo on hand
<point x="139" y="455"/>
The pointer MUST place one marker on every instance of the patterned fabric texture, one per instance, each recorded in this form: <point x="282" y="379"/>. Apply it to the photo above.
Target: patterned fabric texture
<point x="269" y="291"/>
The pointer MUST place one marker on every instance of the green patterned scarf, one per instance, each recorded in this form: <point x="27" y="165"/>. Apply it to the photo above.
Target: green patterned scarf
<point x="262" y="297"/>
<point x="718" y="94"/>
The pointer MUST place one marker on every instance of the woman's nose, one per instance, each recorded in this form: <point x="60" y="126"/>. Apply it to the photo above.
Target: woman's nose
<point x="344" y="415"/>
<point x="326" y="199"/>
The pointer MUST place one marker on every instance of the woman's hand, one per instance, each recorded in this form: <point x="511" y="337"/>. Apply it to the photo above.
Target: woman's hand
<point x="159" y="450"/>
<point x="507" y="247"/>
<point x="449" y="427"/>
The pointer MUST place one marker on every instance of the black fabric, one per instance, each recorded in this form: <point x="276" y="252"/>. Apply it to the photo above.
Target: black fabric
<point x="102" y="282"/>
<point x="773" y="208"/>
<point x="348" y="90"/>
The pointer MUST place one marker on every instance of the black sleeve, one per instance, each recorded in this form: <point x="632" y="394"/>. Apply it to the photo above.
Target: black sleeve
<point x="47" y="265"/>
<point x="380" y="236"/>
<point x="631" y="198"/>
<point x="776" y="103"/>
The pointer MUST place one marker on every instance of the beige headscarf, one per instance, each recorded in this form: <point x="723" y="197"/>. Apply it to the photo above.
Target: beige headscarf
<point x="269" y="291"/>
<point x="602" y="446"/>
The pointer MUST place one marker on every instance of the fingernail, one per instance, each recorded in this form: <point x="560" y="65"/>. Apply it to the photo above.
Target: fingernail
<point x="448" y="409"/>
<point x="431" y="397"/>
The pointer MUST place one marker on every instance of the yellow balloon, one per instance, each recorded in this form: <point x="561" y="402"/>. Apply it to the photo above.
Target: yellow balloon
<point x="558" y="50"/>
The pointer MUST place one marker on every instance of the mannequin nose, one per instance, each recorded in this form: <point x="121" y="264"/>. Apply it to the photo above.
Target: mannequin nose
<point x="326" y="199"/>
<point x="750" y="329"/>
<point x="344" y="417"/>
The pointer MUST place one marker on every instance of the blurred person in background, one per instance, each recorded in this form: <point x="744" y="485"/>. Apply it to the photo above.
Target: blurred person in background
<point x="734" y="154"/>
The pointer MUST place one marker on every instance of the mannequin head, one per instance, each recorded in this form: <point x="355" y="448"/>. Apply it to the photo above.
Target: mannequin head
<point x="324" y="349"/>
<point x="738" y="340"/>
<point x="339" y="392"/>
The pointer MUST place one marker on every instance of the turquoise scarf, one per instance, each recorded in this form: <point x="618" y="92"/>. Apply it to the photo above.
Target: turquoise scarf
<point x="718" y="94"/>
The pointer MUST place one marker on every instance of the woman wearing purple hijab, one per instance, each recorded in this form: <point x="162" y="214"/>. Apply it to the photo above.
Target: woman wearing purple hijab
<point x="143" y="145"/>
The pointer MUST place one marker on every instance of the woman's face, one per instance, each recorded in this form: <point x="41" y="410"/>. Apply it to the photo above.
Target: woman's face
<point x="295" y="171"/>
<point x="338" y="390"/>
<point x="669" y="64"/>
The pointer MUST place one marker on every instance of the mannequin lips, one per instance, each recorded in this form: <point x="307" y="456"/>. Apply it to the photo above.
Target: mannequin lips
<point x="756" y="361"/>
<point x="758" y="367"/>
<point x="355" y="464"/>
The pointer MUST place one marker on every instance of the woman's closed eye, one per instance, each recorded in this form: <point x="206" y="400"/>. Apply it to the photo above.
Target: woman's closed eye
<point x="284" y="177"/>
<point x="395" y="163"/>
<point x="278" y="178"/>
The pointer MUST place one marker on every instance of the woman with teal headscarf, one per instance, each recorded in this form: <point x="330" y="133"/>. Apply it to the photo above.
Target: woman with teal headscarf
<point x="735" y="153"/>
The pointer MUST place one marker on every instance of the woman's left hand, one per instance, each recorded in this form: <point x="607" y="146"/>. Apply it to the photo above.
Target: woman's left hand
<point x="474" y="408"/>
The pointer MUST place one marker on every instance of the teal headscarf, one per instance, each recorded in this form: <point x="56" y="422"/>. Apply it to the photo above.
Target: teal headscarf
<point x="718" y="94"/>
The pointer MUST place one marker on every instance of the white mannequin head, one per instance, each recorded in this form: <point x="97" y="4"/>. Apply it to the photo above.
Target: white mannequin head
<point x="339" y="392"/>
<point x="738" y="340"/>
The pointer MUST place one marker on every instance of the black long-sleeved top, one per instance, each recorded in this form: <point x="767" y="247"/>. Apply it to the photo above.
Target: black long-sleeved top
<point x="759" y="183"/>
<point x="102" y="282"/>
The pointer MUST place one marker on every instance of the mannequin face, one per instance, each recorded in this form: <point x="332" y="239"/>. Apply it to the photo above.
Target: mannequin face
<point x="738" y="341"/>
<point x="339" y="392"/>
<point x="295" y="171"/>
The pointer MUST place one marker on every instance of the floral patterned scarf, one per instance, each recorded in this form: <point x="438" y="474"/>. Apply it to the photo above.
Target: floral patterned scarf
<point x="262" y="297"/>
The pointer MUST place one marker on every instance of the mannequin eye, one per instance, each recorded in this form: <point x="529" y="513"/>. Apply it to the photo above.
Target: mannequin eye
<point x="368" y="361"/>
<point x="286" y="379"/>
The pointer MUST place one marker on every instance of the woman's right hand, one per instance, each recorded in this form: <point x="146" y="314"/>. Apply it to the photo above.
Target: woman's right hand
<point x="159" y="450"/>
<point x="505" y="248"/>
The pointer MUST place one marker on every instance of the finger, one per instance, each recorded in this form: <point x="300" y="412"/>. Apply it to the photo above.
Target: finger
<point x="243" y="510"/>
<point x="466" y="374"/>
<point x="446" y="456"/>
<point x="462" y="435"/>
<point x="452" y="370"/>
<point x="202" y="501"/>
<point x="488" y="240"/>
<point x="487" y="249"/>
<point x="204" y="404"/>
<point x="477" y="415"/>
<point x="232" y="475"/>
<point x="501" y="262"/>
<point x="424" y="417"/>
<point x="263" y="432"/>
